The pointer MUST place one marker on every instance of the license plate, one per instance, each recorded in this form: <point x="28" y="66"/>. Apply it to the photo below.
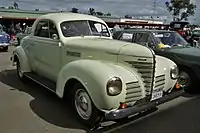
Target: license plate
<point x="156" y="94"/>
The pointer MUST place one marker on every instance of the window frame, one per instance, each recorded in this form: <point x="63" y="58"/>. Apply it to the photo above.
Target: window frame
<point x="48" y="22"/>
<point x="131" y="40"/>
<point x="88" y="22"/>
<point x="150" y="37"/>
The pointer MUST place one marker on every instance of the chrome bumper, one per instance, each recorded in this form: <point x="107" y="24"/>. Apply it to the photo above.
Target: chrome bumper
<point x="122" y="113"/>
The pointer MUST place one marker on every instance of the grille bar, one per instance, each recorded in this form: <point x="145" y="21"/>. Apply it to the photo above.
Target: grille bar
<point x="146" y="69"/>
<point x="133" y="92"/>
<point x="160" y="81"/>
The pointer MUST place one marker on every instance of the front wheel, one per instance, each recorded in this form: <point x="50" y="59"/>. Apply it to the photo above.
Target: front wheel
<point x="187" y="79"/>
<point x="5" y="49"/>
<point x="19" y="72"/>
<point x="88" y="114"/>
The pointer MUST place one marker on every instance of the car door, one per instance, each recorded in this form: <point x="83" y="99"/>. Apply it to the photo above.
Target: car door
<point x="46" y="50"/>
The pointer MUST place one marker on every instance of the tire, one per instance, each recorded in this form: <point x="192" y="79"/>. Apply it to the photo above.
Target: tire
<point x="187" y="79"/>
<point x="84" y="108"/>
<point x="5" y="49"/>
<point x="19" y="72"/>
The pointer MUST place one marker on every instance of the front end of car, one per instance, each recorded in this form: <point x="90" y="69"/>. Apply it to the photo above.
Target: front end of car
<point x="156" y="82"/>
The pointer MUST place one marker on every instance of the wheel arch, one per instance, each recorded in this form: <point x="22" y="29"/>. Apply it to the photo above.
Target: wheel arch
<point x="94" y="81"/>
<point x="19" y="54"/>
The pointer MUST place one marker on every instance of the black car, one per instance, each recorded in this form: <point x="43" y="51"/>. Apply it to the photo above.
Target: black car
<point x="171" y="45"/>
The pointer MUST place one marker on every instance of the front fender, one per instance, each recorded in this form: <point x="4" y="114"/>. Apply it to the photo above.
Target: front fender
<point x="94" y="75"/>
<point x="21" y="55"/>
<point x="163" y="67"/>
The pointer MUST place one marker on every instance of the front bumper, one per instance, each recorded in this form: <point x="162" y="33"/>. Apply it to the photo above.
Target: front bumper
<point x="2" y="45"/>
<point x="123" y="113"/>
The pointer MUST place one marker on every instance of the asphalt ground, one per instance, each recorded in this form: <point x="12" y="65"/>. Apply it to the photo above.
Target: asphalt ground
<point x="30" y="108"/>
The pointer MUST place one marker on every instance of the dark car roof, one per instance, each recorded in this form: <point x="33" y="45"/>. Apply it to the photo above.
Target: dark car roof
<point x="145" y="30"/>
<point x="118" y="33"/>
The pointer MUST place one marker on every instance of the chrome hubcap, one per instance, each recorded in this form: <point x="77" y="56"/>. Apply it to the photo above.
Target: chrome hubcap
<point x="83" y="104"/>
<point x="184" y="79"/>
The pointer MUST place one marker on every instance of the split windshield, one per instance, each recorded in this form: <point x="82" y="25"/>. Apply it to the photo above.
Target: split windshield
<point x="84" y="28"/>
<point x="170" y="39"/>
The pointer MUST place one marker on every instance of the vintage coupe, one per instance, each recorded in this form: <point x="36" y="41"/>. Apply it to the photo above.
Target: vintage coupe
<point x="74" y="56"/>
<point x="171" y="45"/>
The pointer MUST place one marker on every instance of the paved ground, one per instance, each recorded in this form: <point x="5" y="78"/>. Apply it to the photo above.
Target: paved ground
<point x="29" y="108"/>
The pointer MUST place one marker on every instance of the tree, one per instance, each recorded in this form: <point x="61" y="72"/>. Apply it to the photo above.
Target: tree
<point x="16" y="6"/>
<point x="128" y="16"/>
<point x="108" y="14"/>
<point x="180" y="9"/>
<point x="99" y="13"/>
<point x="92" y="11"/>
<point x="74" y="10"/>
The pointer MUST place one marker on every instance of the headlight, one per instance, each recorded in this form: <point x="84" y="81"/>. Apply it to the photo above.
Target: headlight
<point x="174" y="72"/>
<point x="114" y="86"/>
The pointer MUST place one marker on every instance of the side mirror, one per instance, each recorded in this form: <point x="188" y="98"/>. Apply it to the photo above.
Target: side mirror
<point x="55" y="36"/>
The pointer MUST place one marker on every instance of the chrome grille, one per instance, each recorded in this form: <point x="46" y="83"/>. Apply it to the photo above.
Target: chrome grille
<point x="133" y="92"/>
<point x="159" y="82"/>
<point x="146" y="69"/>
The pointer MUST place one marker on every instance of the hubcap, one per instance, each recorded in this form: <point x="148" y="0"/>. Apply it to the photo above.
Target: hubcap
<point x="83" y="104"/>
<point x="184" y="79"/>
<point x="19" y="70"/>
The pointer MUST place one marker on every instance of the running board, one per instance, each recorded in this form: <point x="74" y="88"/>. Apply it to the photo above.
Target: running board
<point x="50" y="85"/>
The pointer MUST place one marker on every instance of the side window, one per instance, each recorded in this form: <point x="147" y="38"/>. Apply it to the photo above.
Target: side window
<point x="151" y="43"/>
<point x="127" y="37"/>
<point x="52" y="30"/>
<point x="42" y="29"/>
<point x="142" y="38"/>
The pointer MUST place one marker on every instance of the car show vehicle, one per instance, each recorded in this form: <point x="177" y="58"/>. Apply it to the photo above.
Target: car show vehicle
<point x="4" y="40"/>
<point x="74" y="56"/>
<point x="180" y="27"/>
<point x="171" y="45"/>
<point x="21" y="35"/>
<point x="196" y="34"/>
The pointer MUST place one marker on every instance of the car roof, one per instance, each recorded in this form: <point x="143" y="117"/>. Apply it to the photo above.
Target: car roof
<point x="144" y="30"/>
<point x="67" y="16"/>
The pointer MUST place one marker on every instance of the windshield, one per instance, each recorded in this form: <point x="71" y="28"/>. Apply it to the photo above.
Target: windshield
<point x="170" y="39"/>
<point x="84" y="28"/>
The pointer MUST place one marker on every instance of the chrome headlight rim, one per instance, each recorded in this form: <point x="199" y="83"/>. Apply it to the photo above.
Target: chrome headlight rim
<point x="174" y="72"/>
<point x="114" y="86"/>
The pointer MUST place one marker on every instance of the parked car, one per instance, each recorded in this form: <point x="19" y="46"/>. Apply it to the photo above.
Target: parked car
<point x="74" y="56"/>
<point x="181" y="27"/>
<point x="171" y="45"/>
<point x="196" y="34"/>
<point x="4" y="40"/>
<point x="22" y="35"/>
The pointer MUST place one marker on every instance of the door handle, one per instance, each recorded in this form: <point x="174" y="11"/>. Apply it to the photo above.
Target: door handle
<point x="60" y="44"/>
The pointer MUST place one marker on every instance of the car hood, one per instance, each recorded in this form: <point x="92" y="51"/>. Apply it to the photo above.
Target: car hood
<point x="192" y="51"/>
<point x="109" y="45"/>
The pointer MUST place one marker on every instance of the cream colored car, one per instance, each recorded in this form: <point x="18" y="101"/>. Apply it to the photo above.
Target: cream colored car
<point x="74" y="56"/>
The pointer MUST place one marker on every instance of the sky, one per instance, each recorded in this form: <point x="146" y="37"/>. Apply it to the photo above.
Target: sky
<point x="115" y="7"/>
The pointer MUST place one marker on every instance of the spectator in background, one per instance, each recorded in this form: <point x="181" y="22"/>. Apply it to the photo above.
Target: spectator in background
<point x="116" y="28"/>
